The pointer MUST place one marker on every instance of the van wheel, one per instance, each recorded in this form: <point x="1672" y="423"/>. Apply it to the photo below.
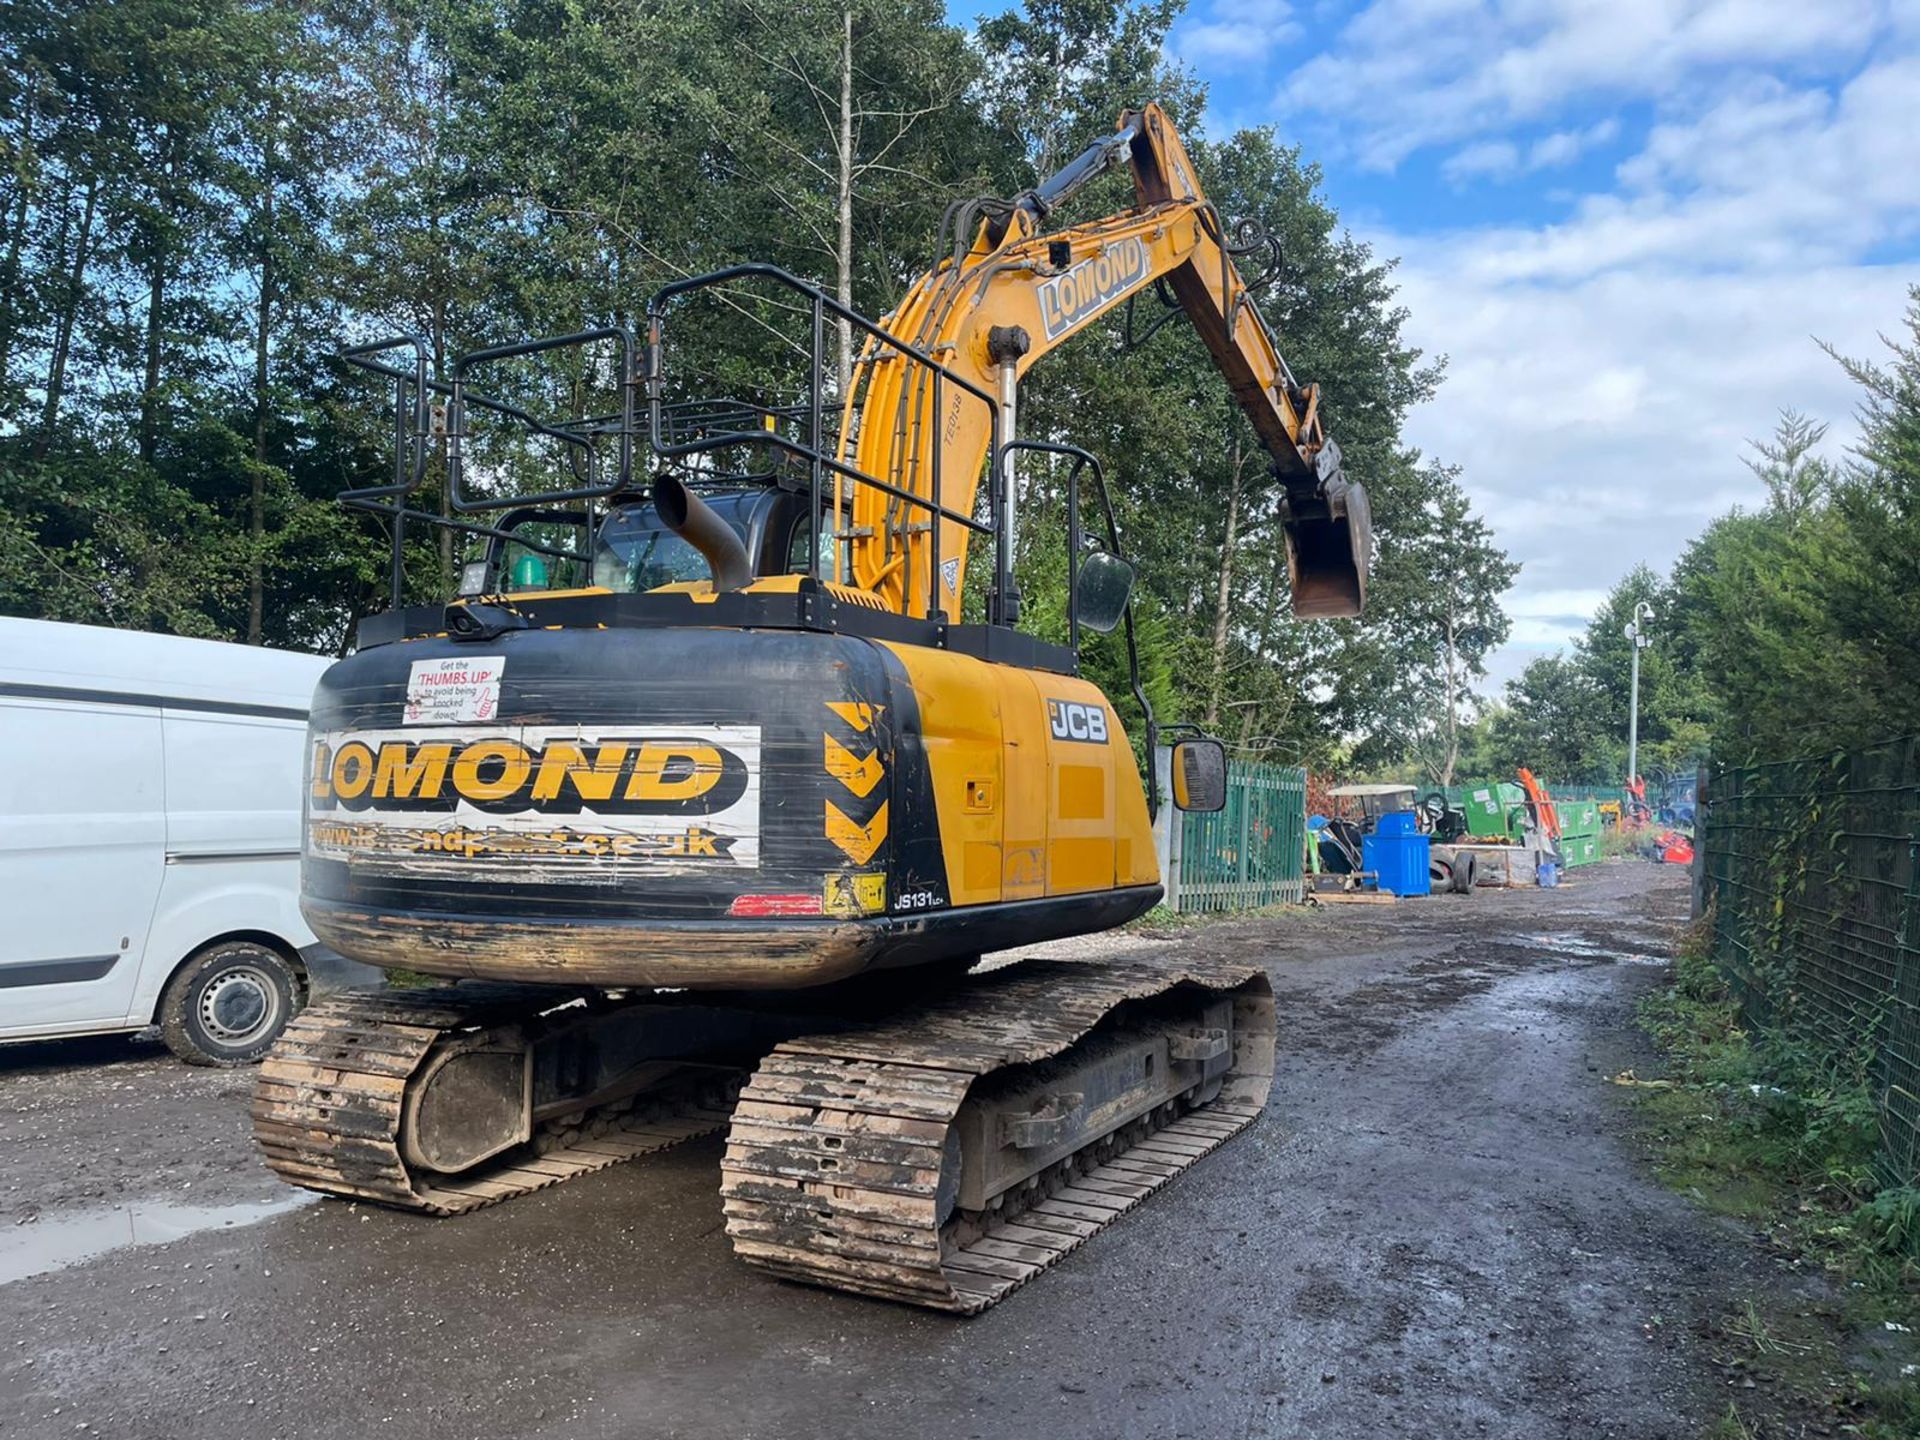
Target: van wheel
<point x="228" y="1004"/>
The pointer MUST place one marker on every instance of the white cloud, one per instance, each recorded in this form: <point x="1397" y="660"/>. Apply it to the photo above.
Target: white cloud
<point x="1602" y="423"/>
<point x="1557" y="604"/>
<point x="1765" y="176"/>
<point x="1404" y="74"/>
<point x="1542" y="622"/>
<point x="1563" y="147"/>
<point x="1494" y="159"/>
<point x="1607" y="369"/>
<point x="1504" y="160"/>
<point x="1235" y="32"/>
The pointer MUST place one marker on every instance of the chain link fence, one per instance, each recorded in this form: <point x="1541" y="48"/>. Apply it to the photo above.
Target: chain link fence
<point x="1811" y="876"/>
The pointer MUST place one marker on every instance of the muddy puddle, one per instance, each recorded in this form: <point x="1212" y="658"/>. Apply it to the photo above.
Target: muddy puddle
<point x="34" y="1247"/>
<point x="1583" y="948"/>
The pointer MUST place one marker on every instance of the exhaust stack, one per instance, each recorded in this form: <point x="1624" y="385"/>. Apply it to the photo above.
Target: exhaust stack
<point x="694" y="521"/>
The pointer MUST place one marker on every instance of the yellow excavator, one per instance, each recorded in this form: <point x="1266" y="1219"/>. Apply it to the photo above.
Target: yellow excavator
<point x="710" y="794"/>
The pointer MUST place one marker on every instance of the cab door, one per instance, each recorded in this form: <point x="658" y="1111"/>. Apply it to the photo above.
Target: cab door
<point x="82" y="853"/>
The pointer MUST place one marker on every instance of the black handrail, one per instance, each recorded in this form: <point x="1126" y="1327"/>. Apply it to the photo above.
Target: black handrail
<point x="406" y="478"/>
<point x="813" y="451"/>
<point x="456" y="419"/>
<point x="666" y="423"/>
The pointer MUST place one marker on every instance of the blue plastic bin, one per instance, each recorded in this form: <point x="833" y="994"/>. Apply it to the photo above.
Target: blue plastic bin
<point x="1400" y="860"/>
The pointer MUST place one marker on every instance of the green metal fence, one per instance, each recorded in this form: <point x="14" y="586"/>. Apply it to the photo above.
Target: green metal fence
<point x="1250" y="854"/>
<point x="1811" y="873"/>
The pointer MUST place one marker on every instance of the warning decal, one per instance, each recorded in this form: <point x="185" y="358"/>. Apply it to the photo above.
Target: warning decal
<point x="448" y="692"/>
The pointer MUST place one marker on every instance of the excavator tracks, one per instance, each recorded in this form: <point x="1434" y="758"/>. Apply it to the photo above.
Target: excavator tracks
<point x="842" y="1161"/>
<point x="328" y="1106"/>
<point x="861" y="1157"/>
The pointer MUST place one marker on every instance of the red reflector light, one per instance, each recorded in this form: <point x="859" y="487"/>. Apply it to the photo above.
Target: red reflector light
<point x="761" y="906"/>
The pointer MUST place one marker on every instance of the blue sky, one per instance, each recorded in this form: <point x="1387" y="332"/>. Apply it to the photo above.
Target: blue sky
<point x="1623" y="221"/>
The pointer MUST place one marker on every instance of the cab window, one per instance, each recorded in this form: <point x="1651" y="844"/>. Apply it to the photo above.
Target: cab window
<point x="635" y="552"/>
<point x="800" y="550"/>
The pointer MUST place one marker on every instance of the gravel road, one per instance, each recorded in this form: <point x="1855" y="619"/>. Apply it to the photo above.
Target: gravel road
<point x="1441" y="1227"/>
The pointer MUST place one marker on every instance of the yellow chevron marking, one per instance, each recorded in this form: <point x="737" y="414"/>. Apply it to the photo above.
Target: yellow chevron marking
<point x="856" y="841"/>
<point x="859" y="774"/>
<point x="856" y="713"/>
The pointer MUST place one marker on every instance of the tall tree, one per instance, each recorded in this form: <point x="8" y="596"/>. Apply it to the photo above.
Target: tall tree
<point x="1555" y="722"/>
<point x="847" y="127"/>
<point x="193" y="233"/>
<point x="1441" y="578"/>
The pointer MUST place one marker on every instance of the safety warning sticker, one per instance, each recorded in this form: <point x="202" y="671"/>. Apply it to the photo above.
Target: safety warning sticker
<point x="447" y="692"/>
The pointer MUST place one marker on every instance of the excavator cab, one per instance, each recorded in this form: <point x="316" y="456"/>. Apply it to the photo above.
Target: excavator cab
<point x="632" y="548"/>
<point x="637" y="550"/>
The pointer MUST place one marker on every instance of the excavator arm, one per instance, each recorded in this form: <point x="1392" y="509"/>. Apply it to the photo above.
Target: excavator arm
<point x="990" y="314"/>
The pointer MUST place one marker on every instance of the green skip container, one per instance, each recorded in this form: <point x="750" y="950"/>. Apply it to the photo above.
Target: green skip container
<point x="1579" y="850"/>
<point x="1490" y="808"/>
<point x="1579" y="832"/>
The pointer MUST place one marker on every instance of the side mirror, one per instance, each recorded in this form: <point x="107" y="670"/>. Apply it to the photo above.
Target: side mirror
<point x="1200" y="775"/>
<point x="1100" y="594"/>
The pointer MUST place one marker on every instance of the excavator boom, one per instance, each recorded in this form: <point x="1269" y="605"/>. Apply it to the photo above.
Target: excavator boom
<point x="989" y="315"/>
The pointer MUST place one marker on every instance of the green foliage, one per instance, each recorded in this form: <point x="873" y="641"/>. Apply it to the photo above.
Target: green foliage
<point x="188" y="236"/>
<point x="1806" y="626"/>
<point x="1437" y="587"/>
<point x="1801" y="1113"/>
<point x="1759" y="1125"/>
<point x="1890" y="1221"/>
<point x="1555" y="722"/>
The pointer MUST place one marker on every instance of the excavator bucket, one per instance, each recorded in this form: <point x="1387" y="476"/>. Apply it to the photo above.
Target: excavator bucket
<point x="1328" y="553"/>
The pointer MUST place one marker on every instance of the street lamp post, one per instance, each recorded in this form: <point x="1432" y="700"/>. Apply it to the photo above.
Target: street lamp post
<point x="1636" y="631"/>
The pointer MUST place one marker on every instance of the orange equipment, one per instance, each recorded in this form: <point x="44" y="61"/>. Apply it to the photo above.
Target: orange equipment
<point x="1540" y="801"/>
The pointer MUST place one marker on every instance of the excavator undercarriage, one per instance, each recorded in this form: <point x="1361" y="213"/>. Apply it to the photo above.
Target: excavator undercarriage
<point x="940" y="1152"/>
<point x="448" y="1099"/>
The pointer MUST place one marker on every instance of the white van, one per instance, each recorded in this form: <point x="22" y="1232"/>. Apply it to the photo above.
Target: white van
<point x="150" y="839"/>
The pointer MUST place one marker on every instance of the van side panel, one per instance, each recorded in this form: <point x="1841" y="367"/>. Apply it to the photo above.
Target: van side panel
<point x="82" y="844"/>
<point x="232" y="840"/>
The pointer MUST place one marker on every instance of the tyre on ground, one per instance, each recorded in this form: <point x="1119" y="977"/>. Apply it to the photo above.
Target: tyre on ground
<point x="1463" y="875"/>
<point x="228" y="1003"/>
